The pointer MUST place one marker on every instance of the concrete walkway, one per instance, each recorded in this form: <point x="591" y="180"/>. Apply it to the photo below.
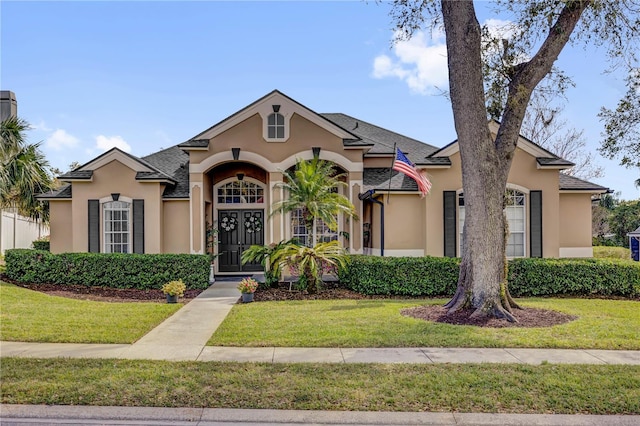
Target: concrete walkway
<point x="68" y="415"/>
<point x="184" y="335"/>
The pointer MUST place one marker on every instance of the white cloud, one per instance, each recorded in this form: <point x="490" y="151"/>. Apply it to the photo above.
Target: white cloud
<point x="41" y="126"/>
<point x="105" y="143"/>
<point x="421" y="62"/>
<point x="60" y="139"/>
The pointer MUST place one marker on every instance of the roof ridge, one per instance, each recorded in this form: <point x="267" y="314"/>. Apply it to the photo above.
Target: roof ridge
<point x="378" y="127"/>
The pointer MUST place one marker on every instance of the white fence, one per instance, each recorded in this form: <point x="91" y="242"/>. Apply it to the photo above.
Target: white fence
<point x="18" y="231"/>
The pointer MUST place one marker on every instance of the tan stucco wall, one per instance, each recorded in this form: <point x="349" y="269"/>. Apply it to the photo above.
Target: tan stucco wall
<point x="575" y="220"/>
<point x="61" y="226"/>
<point x="404" y="222"/>
<point x="524" y="175"/>
<point x="115" y="177"/>
<point x="247" y="136"/>
<point x="175" y="226"/>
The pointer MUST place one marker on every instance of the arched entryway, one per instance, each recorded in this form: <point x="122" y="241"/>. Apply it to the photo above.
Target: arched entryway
<point x="241" y="223"/>
<point x="239" y="203"/>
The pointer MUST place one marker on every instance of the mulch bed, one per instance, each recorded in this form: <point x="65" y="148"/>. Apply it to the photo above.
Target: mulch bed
<point x="103" y="294"/>
<point x="530" y="317"/>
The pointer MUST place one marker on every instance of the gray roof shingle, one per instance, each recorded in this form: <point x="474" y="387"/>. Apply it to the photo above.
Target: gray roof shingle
<point x="62" y="192"/>
<point x="575" y="184"/>
<point x="382" y="140"/>
<point x="554" y="161"/>
<point x="77" y="174"/>
<point x="174" y="162"/>
<point x="378" y="178"/>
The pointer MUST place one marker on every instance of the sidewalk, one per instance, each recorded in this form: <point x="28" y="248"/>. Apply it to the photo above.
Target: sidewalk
<point x="39" y="414"/>
<point x="184" y="335"/>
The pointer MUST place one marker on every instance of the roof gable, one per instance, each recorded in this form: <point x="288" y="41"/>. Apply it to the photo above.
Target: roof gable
<point x="264" y="107"/>
<point x="144" y="170"/>
<point x="544" y="158"/>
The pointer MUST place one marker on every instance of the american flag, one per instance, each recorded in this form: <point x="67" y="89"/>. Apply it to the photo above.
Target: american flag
<point x="403" y="165"/>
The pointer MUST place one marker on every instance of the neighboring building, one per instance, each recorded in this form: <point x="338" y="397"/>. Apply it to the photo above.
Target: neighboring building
<point x="163" y="203"/>
<point x="16" y="231"/>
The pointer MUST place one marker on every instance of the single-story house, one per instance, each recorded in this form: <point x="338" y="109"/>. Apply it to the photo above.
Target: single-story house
<point x="225" y="178"/>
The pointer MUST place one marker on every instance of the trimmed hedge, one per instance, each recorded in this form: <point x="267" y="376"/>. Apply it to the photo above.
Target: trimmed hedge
<point x="576" y="277"/>
<point x="139" y="271"/>
<point x="401" y="276"/>
<point x="438" y="276"/>
<point x="41" y="245"/>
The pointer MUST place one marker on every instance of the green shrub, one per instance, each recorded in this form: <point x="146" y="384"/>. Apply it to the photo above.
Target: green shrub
<point x="438" y="276"/>
<point x="42" y="244"/>
<point x="139" y="271"/>
<point x="576" y="277"/>
<point x="401" y="276"/>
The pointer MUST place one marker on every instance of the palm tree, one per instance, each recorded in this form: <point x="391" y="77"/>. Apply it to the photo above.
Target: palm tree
<point x="312" y="262"/>
<point x="23" y="171"/>
<point x="312" y="188"/>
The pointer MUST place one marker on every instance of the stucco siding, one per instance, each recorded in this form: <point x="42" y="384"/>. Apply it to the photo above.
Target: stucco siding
<point x="175" y="227"/>
<point x="575" y="222"/>
<point x="404" y="223"/>
<point x="61" y="225"/>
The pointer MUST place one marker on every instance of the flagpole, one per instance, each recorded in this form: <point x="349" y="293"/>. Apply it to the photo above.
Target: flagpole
<point x="391" y="171"/>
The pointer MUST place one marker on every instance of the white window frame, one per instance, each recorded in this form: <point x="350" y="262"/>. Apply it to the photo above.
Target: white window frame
<point x="107" y="245"/>
<point x="525" y="220"/>
<point x="241" y="204"/>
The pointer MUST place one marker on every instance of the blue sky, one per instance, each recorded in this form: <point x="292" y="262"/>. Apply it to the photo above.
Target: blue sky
<point x="148" y="75"/>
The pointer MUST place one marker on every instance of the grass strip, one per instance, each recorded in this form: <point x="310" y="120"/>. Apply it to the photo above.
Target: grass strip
<point x="30" y="316"/>
<point x="601" y="324"/>
<point x="568" y="389"/>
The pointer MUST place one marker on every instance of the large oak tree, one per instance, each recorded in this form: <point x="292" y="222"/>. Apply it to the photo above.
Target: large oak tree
<point x="543" y="29"/>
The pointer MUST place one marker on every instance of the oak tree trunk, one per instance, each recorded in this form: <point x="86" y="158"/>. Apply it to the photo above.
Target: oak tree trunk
<point x="486" y="161"/>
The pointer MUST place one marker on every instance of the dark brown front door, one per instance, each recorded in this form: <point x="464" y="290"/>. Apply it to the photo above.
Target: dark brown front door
<point x="237" y="231"/>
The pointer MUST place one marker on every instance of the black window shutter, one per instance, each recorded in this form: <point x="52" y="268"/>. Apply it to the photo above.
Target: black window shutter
<point x="138" y="226"/>
<point x="449" y="223"/>
<point x="535" y="228"/>
<point x="94" y="226"/>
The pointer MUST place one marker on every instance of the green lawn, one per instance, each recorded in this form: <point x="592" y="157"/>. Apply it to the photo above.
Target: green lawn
<point x="502" y="388"/>
<point x="30" y="316"/>
<point x="605" y="252"/>
<point x="602" y="324"/>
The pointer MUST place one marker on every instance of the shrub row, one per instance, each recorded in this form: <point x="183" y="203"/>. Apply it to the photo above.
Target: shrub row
<point x="576" y="277"/>
<point x="435" y="276"/>
<point x="401" y="276"/>
<point x="139" y="271"/>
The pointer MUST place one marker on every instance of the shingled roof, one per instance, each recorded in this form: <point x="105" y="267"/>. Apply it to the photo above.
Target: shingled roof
<point x="175" y="163"/>
<point x="572" y="183"/>
<point x="382" y="140"/>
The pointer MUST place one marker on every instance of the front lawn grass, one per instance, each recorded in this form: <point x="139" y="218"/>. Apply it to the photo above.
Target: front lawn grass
<point x="30" y="316"/>
<point x="608" y="252"/>
<point x="502" y="388"/>
<point x="601" y="324"/>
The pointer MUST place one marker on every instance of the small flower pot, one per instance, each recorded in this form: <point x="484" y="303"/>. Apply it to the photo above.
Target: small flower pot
<point x="247" y="297"/>
<point x="172" y="298"/>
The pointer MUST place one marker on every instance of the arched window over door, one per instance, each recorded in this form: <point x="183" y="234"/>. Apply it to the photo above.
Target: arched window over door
<point x="240" y="192"/>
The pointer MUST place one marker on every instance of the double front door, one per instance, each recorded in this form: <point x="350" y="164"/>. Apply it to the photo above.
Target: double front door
<point x="237" y="231"/>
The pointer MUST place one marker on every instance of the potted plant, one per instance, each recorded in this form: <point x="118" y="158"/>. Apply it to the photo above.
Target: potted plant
<point x="173" y="290"/>
<point x="247" y="287"/>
